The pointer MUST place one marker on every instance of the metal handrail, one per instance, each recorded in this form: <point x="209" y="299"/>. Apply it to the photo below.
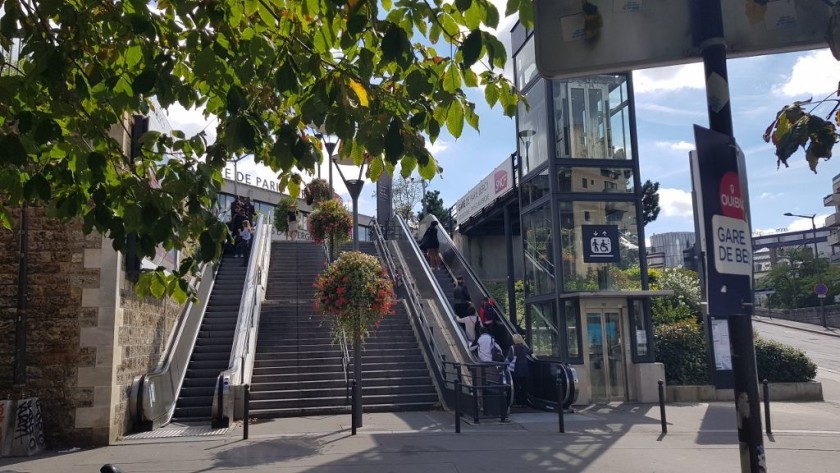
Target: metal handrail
<point x="153" y="395"/>
<point x="242" y="352"/>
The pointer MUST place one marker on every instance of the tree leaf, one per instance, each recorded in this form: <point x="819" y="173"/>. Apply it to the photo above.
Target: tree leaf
<point x="471" y="48"/>
<point x="360" y="91"/>
<point x="491" y="94"/>
<point x="455" y="119"/>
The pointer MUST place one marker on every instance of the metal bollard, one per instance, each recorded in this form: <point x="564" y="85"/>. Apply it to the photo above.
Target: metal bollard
<point x="457" y="398"/>
<point x="767" y="407"/>
<point x="561" y="421"/>
<point x="353" y="410"/>
<point x="246" y="411"/>
<point x="662" y="406"/>
<point x="475" y="393"/>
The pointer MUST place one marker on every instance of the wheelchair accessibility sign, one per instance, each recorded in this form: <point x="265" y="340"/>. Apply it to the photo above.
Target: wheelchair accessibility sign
<point x="600" y="244"/>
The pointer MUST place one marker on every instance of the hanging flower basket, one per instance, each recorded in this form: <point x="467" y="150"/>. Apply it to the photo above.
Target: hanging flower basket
<point x="318" y="190"/>
<point x="354" y="294"/>
<point x="330" y="221"/>
<point x="281" y="214"/>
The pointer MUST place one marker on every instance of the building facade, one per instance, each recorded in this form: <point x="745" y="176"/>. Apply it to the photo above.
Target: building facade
<point x="832" y="222"/>
<point x="672" y="245"/>
<point x="580" y="207"/>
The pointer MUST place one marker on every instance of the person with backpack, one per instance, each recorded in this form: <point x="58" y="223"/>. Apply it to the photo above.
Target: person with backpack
<point x="521" y="370"/>
<point x="486" y="348"/>
<point x="471" y="324"/>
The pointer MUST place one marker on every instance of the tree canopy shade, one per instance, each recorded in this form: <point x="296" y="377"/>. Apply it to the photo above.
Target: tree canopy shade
<point x="383" y="76"/>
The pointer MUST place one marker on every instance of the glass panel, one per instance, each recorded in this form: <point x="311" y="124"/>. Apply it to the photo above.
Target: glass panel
<point x="588" y="179"/>
<point x="587" y="112"/>
<point x="526" y="64"/>
<point x="533" y="129"/>
<point x="543" y="329"/>
<point x="572" y="342"/>
<point x="638" y="322"/>
<point x="597" y="368"/>
<point x="539" y="254"/>
<point x="615" y="355"/>
<point x="535" y="188"/>
<point x="580" y="276"/>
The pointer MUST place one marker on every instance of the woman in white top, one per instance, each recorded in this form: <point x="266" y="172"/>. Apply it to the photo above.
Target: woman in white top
<point x="245" y="239"/>
<point x="484" y="347"/>
<point x="470" y="321"/>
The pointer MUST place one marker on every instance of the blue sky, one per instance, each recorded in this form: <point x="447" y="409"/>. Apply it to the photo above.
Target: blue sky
<point x="669" y="101"/>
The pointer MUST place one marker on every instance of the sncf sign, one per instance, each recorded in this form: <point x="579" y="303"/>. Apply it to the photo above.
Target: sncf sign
<point x="494" y="185"/>
<point x="501" y="180"/>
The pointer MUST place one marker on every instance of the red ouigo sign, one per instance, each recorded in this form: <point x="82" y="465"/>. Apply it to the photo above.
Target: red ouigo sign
<point x="731" y="202"/>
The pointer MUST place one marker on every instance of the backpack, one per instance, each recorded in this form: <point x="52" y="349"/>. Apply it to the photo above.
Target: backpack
<point x="496" y="352"/>
<point x="477" y="328"/>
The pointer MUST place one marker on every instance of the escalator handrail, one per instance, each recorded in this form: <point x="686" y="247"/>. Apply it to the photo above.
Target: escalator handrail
<point x="247" y="324"/>
<point x="439" y="294"/>
<point x="153" y="395"/>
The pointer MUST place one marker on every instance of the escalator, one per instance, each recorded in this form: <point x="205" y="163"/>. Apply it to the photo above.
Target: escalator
<point x="210" y="340"/>
<point x="545" y="374"/>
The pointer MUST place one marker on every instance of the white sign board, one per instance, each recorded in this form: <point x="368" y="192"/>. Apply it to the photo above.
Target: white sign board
<point x="627" y="35"/>
<point x="733" y="246"/>
<point x="720" y="344"/>
<point x="496" y="184"/>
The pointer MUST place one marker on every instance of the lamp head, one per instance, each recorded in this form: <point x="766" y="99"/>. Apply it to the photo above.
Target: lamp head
<point x="788" y="214"/>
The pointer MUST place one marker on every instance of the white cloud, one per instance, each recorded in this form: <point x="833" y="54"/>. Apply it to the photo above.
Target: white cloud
<point x="675" y="202"/>
<point x="805" y="223"/>
<point x="814" y="74"/>
<point x="676" y="146"/>
<point x="689" y="76"/>
<point x="191" y="121"/>
<point x="437" y="147"/>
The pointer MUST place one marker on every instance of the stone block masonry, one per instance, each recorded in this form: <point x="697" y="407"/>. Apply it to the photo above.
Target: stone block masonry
<point x="88" y="335"/>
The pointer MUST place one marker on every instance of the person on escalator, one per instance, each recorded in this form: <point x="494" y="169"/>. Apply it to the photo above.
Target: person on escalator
<point x="484" y="345"/>
<point x="471" y="324"/>
<point x="521" y="371"/>
<point x="431" y="245"/>
<point x="461" y="296"/>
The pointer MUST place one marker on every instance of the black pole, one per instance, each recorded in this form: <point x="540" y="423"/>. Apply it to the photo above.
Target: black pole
<point x="822" y="311"/>
<point x="662" y="407"/>
<point x="457" y="398"/>
<point x="475" y="382"/>
<point x="560" y="398"/>
<point x="707" y="27"/>
<point x="353" y="410"/>
<point x="511" y="289"/>
<point x="767" y="407"/>
<point x="20" y="317"/>
<point x="246" y="411"/>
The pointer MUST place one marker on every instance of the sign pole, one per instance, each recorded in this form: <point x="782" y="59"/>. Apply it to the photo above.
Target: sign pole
<point x="707" y="31"/>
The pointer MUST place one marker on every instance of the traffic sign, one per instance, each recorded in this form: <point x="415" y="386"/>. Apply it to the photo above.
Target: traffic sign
<point x="820" y="290"/>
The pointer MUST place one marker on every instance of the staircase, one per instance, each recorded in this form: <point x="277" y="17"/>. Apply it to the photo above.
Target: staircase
<point x="211" y="354"/>
<point x="300" y="371"/>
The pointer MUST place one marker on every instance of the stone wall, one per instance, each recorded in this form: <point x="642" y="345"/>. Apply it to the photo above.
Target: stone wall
<point x="56" y="278"/>
<point x="808" y="315"/>
<point x="143" y="339"/>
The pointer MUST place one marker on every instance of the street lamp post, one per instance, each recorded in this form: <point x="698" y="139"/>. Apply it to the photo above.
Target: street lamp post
<point x="821" y="297"/>
<point x="354" y="187"/>
<point x="330" y="144"/>
<point x="525" y="137"/>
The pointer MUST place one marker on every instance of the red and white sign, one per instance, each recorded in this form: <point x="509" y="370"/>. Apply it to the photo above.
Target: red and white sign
<point x="494" y="185"/>
<point x="731" y="201"/>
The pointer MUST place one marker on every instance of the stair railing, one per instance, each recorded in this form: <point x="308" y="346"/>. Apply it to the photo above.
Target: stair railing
<point x="153" y="395"/>
<point x="243" y="349"/>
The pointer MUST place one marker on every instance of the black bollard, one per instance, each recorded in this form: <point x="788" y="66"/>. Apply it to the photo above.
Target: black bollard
<point x="246" y="411"/>
<point x="560" y="397"/>
<point x="109" y="468"/>
<point x="353" y="410"/>
<point x="457" y="398"/>
<point x="662" y="406"/>
<point x="767" y="406"/>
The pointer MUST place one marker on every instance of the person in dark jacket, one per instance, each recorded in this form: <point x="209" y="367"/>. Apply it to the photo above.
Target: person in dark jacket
<point x="461" y="296"/>
<point x="521" y="371"/>
<point x="431" y="245"/>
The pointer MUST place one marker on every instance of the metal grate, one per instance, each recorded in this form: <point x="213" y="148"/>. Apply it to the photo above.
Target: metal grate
<point x="171" y="431"/>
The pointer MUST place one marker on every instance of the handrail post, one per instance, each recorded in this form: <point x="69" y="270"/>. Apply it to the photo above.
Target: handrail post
<point x="475" y="388"/>
<point x="561" y="422"/>
<point x="246" y="411"/>
<point x="662" y="406"/>
<point x="457" y="398"/>
<point x="353" y="410"/>
<point x="767" y="407"/>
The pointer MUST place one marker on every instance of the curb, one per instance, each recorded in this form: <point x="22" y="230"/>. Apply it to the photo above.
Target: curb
<point x="829" y="332"/>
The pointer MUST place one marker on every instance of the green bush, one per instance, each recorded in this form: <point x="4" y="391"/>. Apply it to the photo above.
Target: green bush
<point x="780" y="363"/>
<point x="681" y="347"/>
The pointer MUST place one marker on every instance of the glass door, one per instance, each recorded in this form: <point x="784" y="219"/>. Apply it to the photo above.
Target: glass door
<point x="606" y="355"/>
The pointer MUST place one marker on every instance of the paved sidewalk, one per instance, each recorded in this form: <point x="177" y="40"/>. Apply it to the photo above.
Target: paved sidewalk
<point x="612" y="438"/>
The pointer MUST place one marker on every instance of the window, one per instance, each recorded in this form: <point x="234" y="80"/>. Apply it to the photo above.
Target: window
<point x="570" y="313"/>
<point x="595" y="179"/>
<point x="543" y="329"/>
<point x="584" y="183"/>
<point x="581" y="276"/>
<point x="526" y="65"/>
<point x="641" y="332"/>
<point x="533" y="129"/>
<point x="535" y="188"/>
<point x="539" y="251"/>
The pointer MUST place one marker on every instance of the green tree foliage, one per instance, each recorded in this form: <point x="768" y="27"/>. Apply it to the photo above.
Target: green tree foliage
<point x="684" y="304"/>
<point x="794" y="128"/>
<point x="780" y="363"/>
<point x="681" y="347"/>
<point x="384" y="77"/>
<point x="650" y="201"/>
<point x="794" y="277"/>
<point x="433" y="204"/>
